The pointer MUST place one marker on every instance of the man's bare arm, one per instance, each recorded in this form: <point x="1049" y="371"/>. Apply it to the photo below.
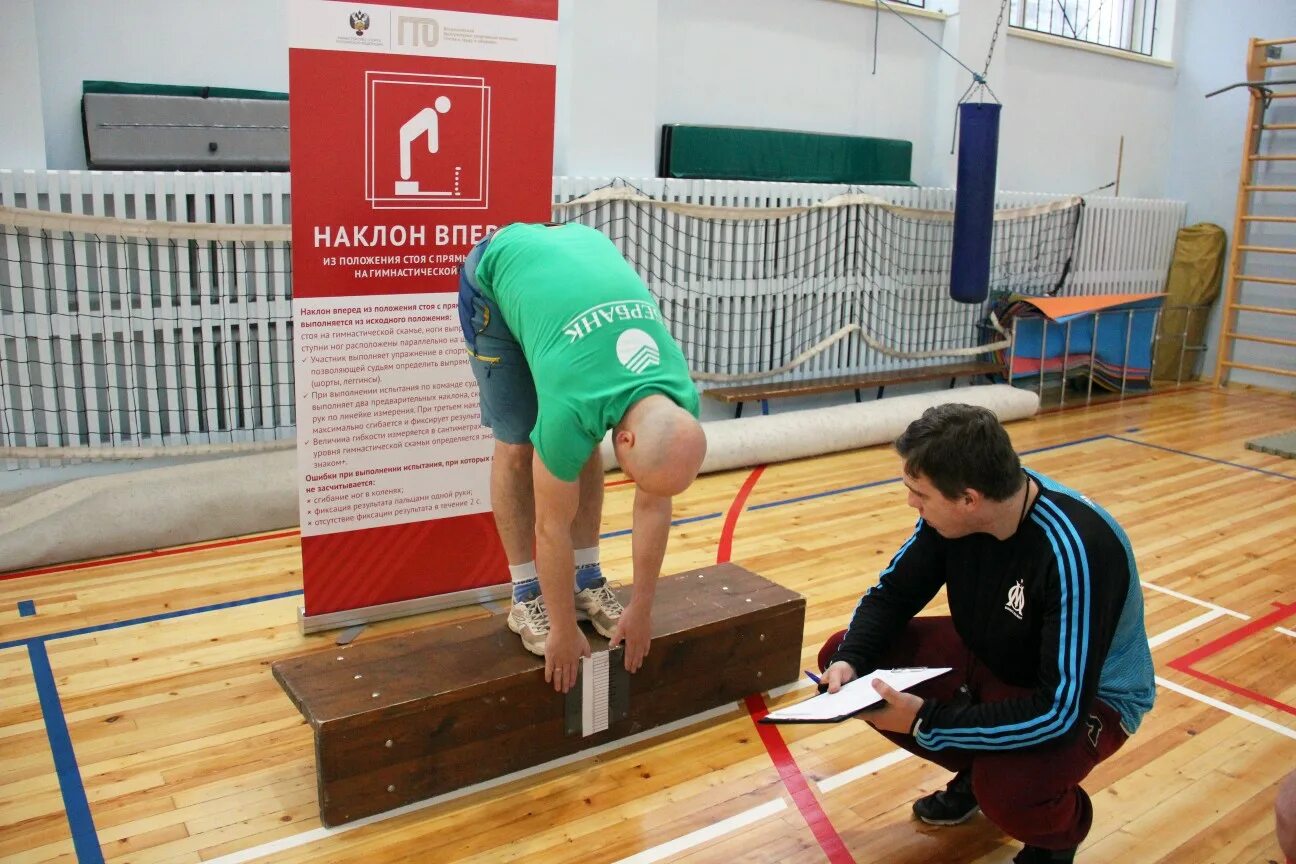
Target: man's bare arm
<point x="556" y="502"/>
<point x="652" y="518"/>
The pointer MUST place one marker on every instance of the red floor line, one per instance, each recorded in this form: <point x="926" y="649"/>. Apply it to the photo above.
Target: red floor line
<point x="1185" y="663"/>
<point x="1235" y="636"/>
<point x="1241" y="691"/>
<point x="724" y="550"/>
<point x="793" y="780"/>
<point x="144" y="556"/>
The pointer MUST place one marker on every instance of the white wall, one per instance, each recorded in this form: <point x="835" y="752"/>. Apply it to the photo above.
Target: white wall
<point x="22" y="141"/>
<point x="1205" y="156"/>
<point x="628" y="67"/>
<point x="1065" y="112"/>
<point x="607" y="85"/>
<point x="795" y="64"/>
<point x="218" y="43"/>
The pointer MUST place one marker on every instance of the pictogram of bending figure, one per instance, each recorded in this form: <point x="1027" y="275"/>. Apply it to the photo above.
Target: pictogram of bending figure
<point x="426" y="121"/>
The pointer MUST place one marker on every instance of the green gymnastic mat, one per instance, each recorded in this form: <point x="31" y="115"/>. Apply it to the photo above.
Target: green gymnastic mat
<point x="738" y="153"/>
<point x="1283" y="444"/>
<point x="127" y="88"/>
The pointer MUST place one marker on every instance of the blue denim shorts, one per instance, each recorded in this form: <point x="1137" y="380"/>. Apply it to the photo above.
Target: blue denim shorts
<point x="507" y="391"/>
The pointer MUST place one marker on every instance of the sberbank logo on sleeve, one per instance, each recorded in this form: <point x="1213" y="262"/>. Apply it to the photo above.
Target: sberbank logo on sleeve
<point x="608" y="313"/>
<point x="637" y="351"/>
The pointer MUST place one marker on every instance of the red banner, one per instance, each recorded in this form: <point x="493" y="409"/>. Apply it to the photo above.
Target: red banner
<point x="414" y="132"/>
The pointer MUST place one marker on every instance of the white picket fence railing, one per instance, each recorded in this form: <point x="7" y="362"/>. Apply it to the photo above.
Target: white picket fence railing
<point x="123" y="341"/>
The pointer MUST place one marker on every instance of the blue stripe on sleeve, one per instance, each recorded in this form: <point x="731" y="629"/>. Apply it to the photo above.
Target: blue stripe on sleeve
<point x="1085" y="587"/>
<point x="1073" y="570"/>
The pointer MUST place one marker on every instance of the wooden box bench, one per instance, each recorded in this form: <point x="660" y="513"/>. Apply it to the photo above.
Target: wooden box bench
<point x="836" y="384"/>
<point x="412" y="715"/>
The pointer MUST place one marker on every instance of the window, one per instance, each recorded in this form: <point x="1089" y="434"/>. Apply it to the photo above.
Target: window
<point x="1124" y="24"/>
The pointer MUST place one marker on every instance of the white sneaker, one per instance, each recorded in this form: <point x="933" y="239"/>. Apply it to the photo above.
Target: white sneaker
<point x="601" y="607"/>
<point x="530" y="620"/>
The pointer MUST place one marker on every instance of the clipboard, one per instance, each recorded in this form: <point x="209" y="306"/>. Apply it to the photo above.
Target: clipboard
<point x="854" y="697"/>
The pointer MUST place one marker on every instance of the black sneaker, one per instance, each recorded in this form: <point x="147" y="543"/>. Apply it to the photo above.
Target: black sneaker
<point x="952" y="806"/>
<point x="1036" y="855"/>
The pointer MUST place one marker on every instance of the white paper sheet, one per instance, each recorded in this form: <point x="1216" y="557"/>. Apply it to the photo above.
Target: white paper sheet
<point x="855" y="696"/>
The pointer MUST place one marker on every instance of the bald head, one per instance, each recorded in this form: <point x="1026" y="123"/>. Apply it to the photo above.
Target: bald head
<point x="660" y="445"/>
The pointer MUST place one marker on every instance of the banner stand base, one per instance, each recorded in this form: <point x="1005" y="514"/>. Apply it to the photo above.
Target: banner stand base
<point x="400" y="609"/>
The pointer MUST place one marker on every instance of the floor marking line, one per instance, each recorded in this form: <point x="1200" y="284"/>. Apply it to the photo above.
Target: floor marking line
<point x="850" y="775"/>
<point x="706" y="834"/>
<point x="1205" y="603"/>
<point x="1185" y="662"/>
<point x="85" y="839"/>
<point x="1192" y="455"/>
<point x="144" y="556"/>
<point x="1192" y="624"/>
<point x="1224" y="706"/>
<point x="1234" y="636"/>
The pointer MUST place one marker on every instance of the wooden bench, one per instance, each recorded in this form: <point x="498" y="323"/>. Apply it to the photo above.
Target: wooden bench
<point x="836" y="384"/>
<point x="408" y="716"/>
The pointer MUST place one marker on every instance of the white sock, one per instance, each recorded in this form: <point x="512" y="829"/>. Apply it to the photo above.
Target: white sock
<point x="526" y="582"/>
<point x="523" y="572"/>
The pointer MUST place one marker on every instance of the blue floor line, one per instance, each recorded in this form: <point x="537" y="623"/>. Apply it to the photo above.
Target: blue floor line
<point x="1204" y="458"/>
<point x="685" y="521"/>
<point x="1091" y="439"/>
<point x="85" y="839"/>
<point x="161" y="616"/>
<point x="813" y="495"/>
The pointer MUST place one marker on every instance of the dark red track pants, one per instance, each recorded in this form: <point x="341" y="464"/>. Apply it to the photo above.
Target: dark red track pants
<point x="1033" y="795"/>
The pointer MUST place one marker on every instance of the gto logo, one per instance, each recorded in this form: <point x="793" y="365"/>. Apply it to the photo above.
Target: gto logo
<point x="424" y="32"/>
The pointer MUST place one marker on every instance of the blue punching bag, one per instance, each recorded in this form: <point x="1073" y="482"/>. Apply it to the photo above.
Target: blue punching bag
<point x="978" y="151"/>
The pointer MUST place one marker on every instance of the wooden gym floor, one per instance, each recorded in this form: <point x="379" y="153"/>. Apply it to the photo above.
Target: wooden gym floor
<point x="139" y="721"/>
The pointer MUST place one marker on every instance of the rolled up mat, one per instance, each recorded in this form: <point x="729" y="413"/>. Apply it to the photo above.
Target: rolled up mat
<point x="761" y="440"/>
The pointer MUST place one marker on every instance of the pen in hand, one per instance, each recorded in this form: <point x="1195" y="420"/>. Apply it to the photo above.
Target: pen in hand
<point x="823" y="685"/>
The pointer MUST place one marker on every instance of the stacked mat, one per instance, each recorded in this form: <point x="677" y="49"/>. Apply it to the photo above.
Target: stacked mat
<point x="1109" y="338"/>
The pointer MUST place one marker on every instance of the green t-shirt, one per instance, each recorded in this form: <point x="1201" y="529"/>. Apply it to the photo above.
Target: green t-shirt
<point x="591" y="332"/>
